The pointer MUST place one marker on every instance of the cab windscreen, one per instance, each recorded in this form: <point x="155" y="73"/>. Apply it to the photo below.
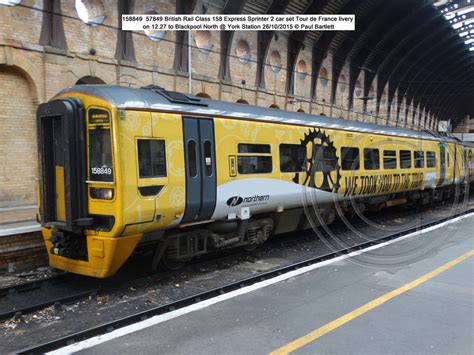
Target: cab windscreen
<point x="100" y="154"/>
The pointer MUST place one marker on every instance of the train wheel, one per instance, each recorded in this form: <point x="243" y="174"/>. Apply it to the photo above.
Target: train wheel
<point x="250" y="247"/>
<point x="172" y="264"/>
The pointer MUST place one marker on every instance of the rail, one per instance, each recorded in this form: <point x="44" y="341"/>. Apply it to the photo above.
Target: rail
<point x="140" y="316"/>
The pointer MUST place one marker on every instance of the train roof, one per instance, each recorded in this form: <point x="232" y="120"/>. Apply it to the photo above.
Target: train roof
<point x="156" y="98"/>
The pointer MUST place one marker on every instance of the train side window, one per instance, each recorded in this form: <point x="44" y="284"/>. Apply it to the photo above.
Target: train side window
<point x="254" y="148"/>
<point x="151" y="158"/>
<point x="254" y="159"/>
<point x="292" y="158"/>
<point x="430" y="159"/>
<point x="389" y="159"/>
<point x="447" y="159"/>
<point x="419" y="158"/>
<point x="350" y="158"/>
<point x="371" y="159"/>
<point x="405" y="159"/>
<point x="252" y="164"/>
<point x="325" y="158"/>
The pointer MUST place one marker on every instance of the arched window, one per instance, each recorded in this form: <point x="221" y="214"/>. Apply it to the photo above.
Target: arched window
<point x="203" y="41"/>
<point x="91" y="12"/>
<point x="10" y="2"/>
<point x="372" y="91"/>
<point x="242" y="101"/>
<point x="154" y="35"/>
<point x="384" y="95"/>
<point x="275" y="61"/>
<point x="300" y="110"/>
<point x="301" y="69"/>
<point x="323" y="77"/>
<point x="358" y="89"/>
<point x="275" y="106"/>
<point x="242" y="51"/>
<point x="342" y="83"/>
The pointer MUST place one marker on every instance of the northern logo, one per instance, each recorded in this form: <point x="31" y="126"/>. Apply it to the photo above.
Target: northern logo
<point x="237" y="200"/>
<point x="234" y="201"/>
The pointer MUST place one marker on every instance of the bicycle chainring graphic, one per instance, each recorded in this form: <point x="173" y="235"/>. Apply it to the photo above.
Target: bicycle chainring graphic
<point x="317" y="139"/>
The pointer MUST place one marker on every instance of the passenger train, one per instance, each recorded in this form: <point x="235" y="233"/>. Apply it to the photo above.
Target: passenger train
<point x="183" y="176"/>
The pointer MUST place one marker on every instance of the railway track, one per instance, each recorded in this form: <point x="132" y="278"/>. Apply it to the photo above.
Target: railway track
<point x="187" y="301"/>
<point x="22" y="299"/>
<point x="28" y="297"/>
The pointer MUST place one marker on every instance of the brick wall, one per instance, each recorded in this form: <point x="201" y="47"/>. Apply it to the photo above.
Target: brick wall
<point x="22" y="251"/>
<point x="18" y="158"/>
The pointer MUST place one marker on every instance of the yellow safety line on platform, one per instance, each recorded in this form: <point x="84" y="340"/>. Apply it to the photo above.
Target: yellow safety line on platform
<point x="317" y="333"/>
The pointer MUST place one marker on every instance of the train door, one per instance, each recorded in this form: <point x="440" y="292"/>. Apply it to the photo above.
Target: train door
<point x="200" y="166"/>
<point x="61" y="144"/>
<point x="442" y="163"/>
<point x="58" y="167"/>
<point x="455" y="166"/>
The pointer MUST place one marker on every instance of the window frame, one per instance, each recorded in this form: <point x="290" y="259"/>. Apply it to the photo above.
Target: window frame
<point x="239" y="145"/>
<point x="151" y="181"/>
<point x="254" y="155"/>
<point x="289" y="145"/>
<point x="415" y="159"/>
<point x="410" y="154"/>
<point x="371" y="158"/>
<point x="433" y="153"/>
<point x="343" y="155"/>
<point x="321" y="162"/>
<point x="188" y="161"/>
<point x="391" y="157"/>
<point x="94" y="126"/>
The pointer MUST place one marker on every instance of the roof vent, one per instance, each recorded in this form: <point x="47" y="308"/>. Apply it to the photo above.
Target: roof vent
<point x="152" y="87"/>
<point x="431" y="133"/>
<point x="176" y="97"/>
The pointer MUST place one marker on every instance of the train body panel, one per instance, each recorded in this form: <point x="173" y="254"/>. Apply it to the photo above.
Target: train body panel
<point x="470" y="162"/>
<point x="198" y="176"/>
<point x="153" y="196"/>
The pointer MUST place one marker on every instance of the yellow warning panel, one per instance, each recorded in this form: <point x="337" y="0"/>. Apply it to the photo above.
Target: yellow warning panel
<point x="60" y="202"/>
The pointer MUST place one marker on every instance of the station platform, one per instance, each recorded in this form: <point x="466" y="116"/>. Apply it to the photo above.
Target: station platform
<point x="18" y="220"/>
<point x="412" y="295"/>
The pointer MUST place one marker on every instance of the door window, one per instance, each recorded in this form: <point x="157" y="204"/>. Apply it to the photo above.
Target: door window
<point x="192" y="158"/>
<point x="151" y="158"/>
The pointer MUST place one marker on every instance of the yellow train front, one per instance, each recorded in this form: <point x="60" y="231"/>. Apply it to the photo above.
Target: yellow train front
<point x="187" y="176"/>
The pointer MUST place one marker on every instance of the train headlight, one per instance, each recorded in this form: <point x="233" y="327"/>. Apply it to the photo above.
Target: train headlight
<point x="102" y="193"/>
